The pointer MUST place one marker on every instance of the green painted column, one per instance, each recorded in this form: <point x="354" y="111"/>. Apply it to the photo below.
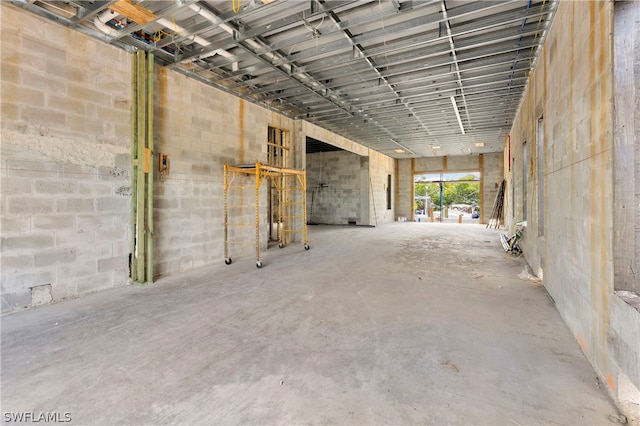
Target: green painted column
<point x="142" y="168"/>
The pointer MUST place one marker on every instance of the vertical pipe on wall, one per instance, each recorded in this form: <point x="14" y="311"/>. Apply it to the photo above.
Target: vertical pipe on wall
<point x="140" y="251"/>
<point x="142" y="170"/>
<point x="133" y="271"/>
<point x="150" y="147"/>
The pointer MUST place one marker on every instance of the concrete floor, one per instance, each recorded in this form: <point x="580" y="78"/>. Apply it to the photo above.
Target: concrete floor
<point x="405" y="323"/>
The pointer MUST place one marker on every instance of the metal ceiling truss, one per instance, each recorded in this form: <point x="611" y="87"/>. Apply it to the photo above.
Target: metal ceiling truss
<point x="380" y="72"/>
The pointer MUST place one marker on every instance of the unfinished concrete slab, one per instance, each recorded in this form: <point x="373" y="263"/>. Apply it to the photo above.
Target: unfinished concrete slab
<point x="404" y="323"/>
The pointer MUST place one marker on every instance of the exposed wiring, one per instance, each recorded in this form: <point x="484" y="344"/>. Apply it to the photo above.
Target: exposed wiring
<point x="314" y="30"/>
<point x="175" y="26"/>
<point x="159" y="35"/>
<point x="235" y="6"/>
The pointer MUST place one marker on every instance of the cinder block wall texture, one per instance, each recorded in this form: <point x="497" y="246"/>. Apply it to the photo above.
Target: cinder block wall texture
<point x="492" y="175"/>
<point x="65" y="164"/>
<point x="572" y="90"/>
<point x="333" y="187"/>
<point x="65" y="161"/>
<point x="373" y="177"/>
<point x="201" y="128"/>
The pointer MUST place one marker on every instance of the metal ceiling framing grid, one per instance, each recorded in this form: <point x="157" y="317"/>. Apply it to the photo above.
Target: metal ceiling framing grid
<point x="379" y="72"/>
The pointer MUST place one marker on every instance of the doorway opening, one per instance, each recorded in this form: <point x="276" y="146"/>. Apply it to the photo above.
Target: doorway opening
<point x="338" y="185"/>
<point x="447" y="197"/>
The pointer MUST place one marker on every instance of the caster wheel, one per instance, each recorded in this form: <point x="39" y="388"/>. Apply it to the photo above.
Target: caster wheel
<point x="280" y="245"/>
<point x="228" y="261"/>
<point x="259" y="264"/>
<point x="306" y="247"/>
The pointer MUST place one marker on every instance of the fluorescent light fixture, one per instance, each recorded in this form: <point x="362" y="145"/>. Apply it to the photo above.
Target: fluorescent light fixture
<point x="455" y="109"/>
<point x="399" y="151"/>
<point x="479" y="144"/>
<point x="436" y="147"/>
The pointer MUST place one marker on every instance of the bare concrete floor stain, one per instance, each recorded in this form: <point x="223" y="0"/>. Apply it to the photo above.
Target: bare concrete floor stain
<point x="406" y="323"/>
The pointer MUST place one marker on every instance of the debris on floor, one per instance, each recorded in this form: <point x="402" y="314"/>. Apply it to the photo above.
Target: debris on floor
<point x="525" y="275"/>
<point x="618" y="418"/>
<point x="450" y="364"/>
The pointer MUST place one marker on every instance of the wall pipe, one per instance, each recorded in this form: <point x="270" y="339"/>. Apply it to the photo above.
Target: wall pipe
<point x="101" y="19"/>
<point x="142" y="168"/>
<point x="150" y="146"/>
<point x="140" y="251"/>
<point x="100" y="22"/>
<point x="133" y="254"/>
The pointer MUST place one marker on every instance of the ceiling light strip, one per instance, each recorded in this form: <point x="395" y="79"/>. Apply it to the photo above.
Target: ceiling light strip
<point x="455" y="109"/>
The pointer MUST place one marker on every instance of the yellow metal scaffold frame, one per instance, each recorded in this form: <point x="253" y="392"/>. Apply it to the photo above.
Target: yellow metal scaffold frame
<point x="291" y="209"/>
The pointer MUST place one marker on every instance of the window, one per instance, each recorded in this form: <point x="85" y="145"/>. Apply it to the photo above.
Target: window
<point x="388" y="192"/>
<point x="540" y="159"/>
<point x="513" y="189"/>
<point x="626" y="154"/>
<point x="525" y="170"/>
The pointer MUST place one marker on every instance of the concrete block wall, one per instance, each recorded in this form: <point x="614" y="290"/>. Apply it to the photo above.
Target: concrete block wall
<point x="572" y="89"/>
<point x="65" y="161"/>
<point x="65" y="167"/>
<point x="333" y="187"/>
<point x="373" y="201"/>
<point x="201" y="129"/>
<point x="492" y="175"/>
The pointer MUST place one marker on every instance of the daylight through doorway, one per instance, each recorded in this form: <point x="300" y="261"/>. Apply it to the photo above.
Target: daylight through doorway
<point x="447" y="197"/>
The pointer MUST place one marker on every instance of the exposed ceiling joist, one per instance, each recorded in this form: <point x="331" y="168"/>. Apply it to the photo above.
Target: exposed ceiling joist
<point x="379" y="72"/>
